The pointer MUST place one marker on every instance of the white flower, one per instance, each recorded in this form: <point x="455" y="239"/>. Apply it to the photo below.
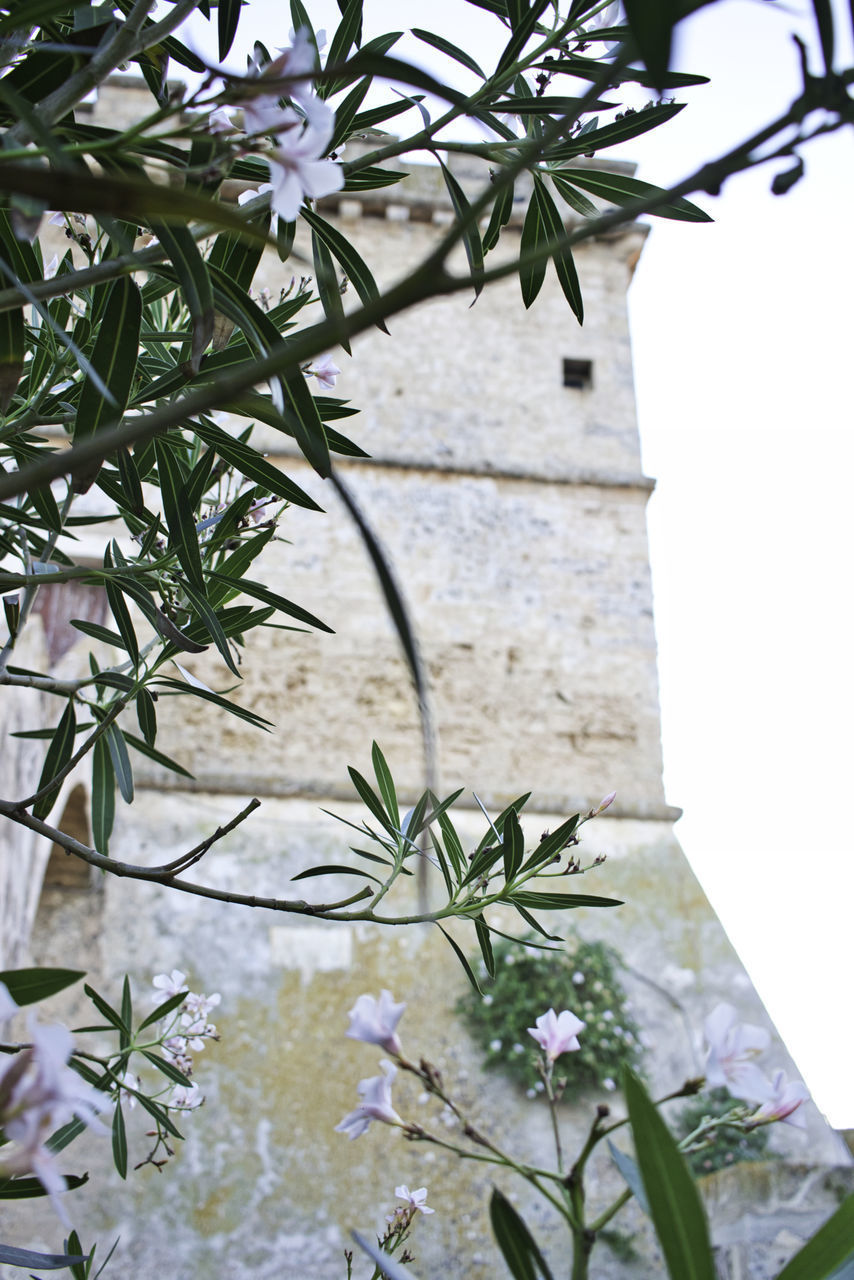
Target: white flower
<point x="8" y="1007"/>
<point x="557" y="1033"/>
<point x="578" y="977"/>
<point x="186" y="1097"/>
<point x="732" y="1047"/>
<point x="415" y="1199"/>
<point x="325" y="371"/>
<point x="375" y="1021"/>
<point x="51" y="268"/>
<point x="219" y="121"/>
<point x="129" y="1082"/>
<point x="609" y="1084"/>
<point x="297" y="168"/>
<point x="38" y="1094"/>
<point x="168" y="984"/>
<point x="375" y="1105"/>
<point x="199" y="1006"/>
<point x="494" y="1046"/>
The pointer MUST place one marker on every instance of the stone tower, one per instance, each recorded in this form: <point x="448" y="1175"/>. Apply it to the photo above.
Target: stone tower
<point x="504" y="482"/>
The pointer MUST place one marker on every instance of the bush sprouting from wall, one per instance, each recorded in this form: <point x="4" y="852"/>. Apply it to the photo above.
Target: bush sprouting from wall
<point x="728" y="1146"/>
<point x="527" y="983"/>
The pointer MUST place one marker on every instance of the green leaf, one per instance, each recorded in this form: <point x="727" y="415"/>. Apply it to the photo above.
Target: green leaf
<point x="652" y="23"/>
<point x="228" y="17"/>
<point x="212" y="625"/>
<point x="385" y="782"/>
<point x="371" y="801"/>
<point x="120" y="1142"/>
<point x="157" y="756"/>
<point x="517" y="1245"/>
<point x="561" y="901"/>
<point x="180" y="687"/>
<point x="179" y="515"/>
<point x="26" y="1257"/>
<point x="328" y="287"/>
<point x="622" y="190"/>
<point x="30" y="1188"/>
<point x="471" y="235"/>
<point x="113" y="359"/>
<point x="106" y="1010"/>
<point x="27" y="986"/>
<point x="147" y="716"/>
<point x="831" y="1246"/>
<point x="522" y="32"/>
<point x="485" y="944"/>
<point x="120" y="761"/>
<point x="459" y="953"/>
<point x="372" y="177"/>
<point x="103" y="796"/>
<point x="259" y="592"/>
<point x="499" y="217"/>
<point x="192" y="272"/>
<point x="127" y="1005"/>
<point x="514" y="846"/>
<point x="551" y="845"/>
<point x="165" y="1068"/>
<point x="251" y="464"/>
<point x="534" y="235"/>
<point x="628" y="1168"/>
<point x="334" y="868"/>
<point x="674" y="1202"/>
<point x="452" y="50"/>
<point x="354" y="267"/>
<point x="163" y="1009"/>
<point x="120" y="612"/>
<point x="576" y="201"/>
<point x="347" y="33"/>
<point x="59" y="753"/>
<point x="386" y="1265"/>
<point x="561" y="256"/>
<point x="611" y="135"/>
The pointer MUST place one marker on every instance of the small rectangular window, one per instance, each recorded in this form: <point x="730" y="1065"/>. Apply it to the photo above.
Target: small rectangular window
<point x="578" y="373"/>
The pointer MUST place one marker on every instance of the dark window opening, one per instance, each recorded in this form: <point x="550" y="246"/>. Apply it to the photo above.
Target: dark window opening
<point x="64" y="871"/>
<point x="578" y="374"/>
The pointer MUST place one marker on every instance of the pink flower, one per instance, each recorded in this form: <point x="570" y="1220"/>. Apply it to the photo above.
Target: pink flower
<point x="414" y="1199"/>
<point x="375" y="1105"/>
<point x="782" y="1103"/>
<point x="375" y="1021"/>
<point x="609" y="799"/>
<point x="326" y="371"/>
<point x="557" y="1033"/>
<point x="732" y="1047"/>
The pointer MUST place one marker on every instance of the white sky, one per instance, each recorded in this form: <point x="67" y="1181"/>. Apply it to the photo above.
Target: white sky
<point x="742" y="343"/>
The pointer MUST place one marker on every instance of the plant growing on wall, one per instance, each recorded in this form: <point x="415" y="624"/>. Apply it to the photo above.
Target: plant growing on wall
<point x="583" y="977"/>
<point x="116" y="359"/>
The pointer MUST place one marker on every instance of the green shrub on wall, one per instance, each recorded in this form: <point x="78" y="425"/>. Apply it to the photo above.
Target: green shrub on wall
<point x="527" y="983"/>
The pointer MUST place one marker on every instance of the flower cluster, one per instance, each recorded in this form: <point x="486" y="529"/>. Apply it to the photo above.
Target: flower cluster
<point x="301" y="132"/>
<point x="39" y="1092"/>
<point x="184" y="1034"/>
<point x="733" y="1047"/>
<point x="374" y="1022"/>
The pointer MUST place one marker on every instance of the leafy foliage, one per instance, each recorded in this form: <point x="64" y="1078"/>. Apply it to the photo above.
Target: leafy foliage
<point x="584" y="979"/>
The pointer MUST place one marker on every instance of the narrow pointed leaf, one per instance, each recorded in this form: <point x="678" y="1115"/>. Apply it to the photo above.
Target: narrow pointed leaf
<point x="352" y="263"/>
<point x="163" y="1009"/>
<point x="228" y="17"/>
<point x="27" y="986"/>
<point x="213" y="626"/>
<point x="147" y="716"/>
<point x="562" y="255"/>
<point x="522" y="32"/>
<point x="179" y="515"/>
<point x="534" y="236"/>
<point x="518" y="1247"/>
<point x="499" y="217"/>
<point x="103" y="796"/>
<point x="628" y="1168"/>
<point x="251" y="464"/>
<point x="452" y="50"/>
<point x="44" y="1261"/>
<point x="471" y="235"/>
<point x="674" y="1202"/>
<point x="831" y="1246"/>
<point x="192" y="272"/>
<point x="485" y="944"/>
<point x="113" y="360"/>
<point x="347" y="33"/>
<point x="120" y="761"/>
<point x="514" y="846"/>
<point x="562" y="901"/>
<point x="460" y="954"/>
<point x="385" y="782"/>
<point x="551" y="845"/>
<point x="59" y="753"/>
<point x="371" y="800"/>
<point x="328" y="287"/>
<point x="621" y="190"/>
<point x="120" y="1142"/>
<point x="158" y="757"/>
<point x="652" y="23"/>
